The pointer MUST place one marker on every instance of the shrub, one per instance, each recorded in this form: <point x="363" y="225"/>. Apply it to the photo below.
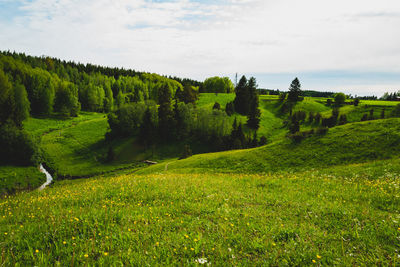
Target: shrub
<point x="230" y="108"/>
<point x="342" y="119"/>
<point x="17" y="146"/>
<point x="396" y="111"/>
<point x="322" y="130"/>
<point x="297" y="137"/>
<point x="317" y="118"/>
<point x="110" y="154"/>
<point x="217" y="106"/>
<point x="364" y="117"/>
<point x="340" y="99"/>
<point x="263" y="141"/>
<point x="187" y="152"/>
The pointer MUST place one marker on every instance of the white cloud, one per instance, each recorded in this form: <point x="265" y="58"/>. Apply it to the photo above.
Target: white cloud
<point x="198" y="39"/>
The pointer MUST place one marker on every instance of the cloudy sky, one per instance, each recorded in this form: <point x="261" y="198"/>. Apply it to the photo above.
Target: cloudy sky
<point x="341" y="45"/>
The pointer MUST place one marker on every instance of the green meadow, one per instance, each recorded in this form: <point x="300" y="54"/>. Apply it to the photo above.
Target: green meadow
<point x="327" y="217"/>
<point x="331" y="199"/>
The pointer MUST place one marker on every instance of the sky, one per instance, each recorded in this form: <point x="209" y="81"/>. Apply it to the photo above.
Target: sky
<point x="351" y="46"/>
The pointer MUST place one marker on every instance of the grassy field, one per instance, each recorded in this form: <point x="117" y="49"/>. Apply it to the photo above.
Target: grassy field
<point x="324" y="217"/>
<point x="332" y="199"/>
<point x="76" y="146"/>
<point x="17" y="178"/>
<point x="350" y="143"/>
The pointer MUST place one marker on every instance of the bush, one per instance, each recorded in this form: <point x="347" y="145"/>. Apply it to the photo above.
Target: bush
<point x="17" y="146"/>
<point x="110" y="154"/>
<point x="342" y="119"/>
<point x="230" y="108"/>
<point x="187" y="152"/>
<point x="364" y="117"/>
<point x="322" y="130"/>
<point x="340" y="99"/>
<point x="263" y="141"/>
<point x="217" y="106"/>
<point x="297" y="137"/>
<point x="317" y="118"/>
<point x="396" y="111"/>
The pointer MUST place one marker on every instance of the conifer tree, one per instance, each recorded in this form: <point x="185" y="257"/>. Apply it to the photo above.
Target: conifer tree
<point x="242" y="97"/>
<point x="253" y="117"/>
<point x="294" y="90"/>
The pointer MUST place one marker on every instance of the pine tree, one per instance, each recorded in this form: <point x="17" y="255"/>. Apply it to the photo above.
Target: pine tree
<point x="294" y="90"/>
<point x="253" y="117"/>
<point x="242" y="97"/>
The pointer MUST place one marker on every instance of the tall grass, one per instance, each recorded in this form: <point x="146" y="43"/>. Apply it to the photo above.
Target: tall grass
<point x="335" y="218"/>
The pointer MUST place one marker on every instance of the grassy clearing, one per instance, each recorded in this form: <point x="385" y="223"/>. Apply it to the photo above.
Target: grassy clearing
<point x="334" y="218"/>
<point x="17" y="178"/>
<point x="379" y="103"/>
<point x="310" y="105"/>
<point x="351" y="143"/>
<point x="207" y="100"/>
<point x="40" y="126"/>
<point x="80" y="150"/>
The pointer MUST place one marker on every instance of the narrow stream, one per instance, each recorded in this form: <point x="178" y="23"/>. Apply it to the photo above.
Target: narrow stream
<point x="49" y="179"/>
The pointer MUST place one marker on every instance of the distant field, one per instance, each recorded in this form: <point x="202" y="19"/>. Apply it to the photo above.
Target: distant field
<point x="379" y="103"/>
<point x="347" y="216"/>
<point x="268" y="97"/>
<point x="207" y="100"/>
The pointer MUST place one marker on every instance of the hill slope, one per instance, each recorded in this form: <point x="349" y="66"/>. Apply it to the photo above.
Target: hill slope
<point x="351" y="143"/>
<point x="226" y="219"/>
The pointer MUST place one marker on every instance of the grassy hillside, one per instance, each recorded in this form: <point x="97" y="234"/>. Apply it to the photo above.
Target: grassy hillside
<point x="17" y="178"/>
<point x="351" y="143"/>
<point x="76" y="146"/>
<point x="336" y="218"/>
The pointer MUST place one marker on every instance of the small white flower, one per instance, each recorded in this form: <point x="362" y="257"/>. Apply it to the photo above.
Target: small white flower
<point x="201" y="260"/>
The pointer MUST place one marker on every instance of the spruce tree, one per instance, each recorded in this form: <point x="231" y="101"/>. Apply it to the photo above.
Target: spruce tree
<point x="241" y="99"/>
<point x="253" y="117"/>
<point x="294" y="90"/>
